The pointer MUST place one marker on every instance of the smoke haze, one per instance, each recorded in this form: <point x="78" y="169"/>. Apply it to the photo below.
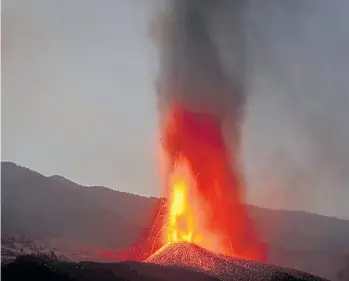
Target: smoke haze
<point x="299" y="61"/>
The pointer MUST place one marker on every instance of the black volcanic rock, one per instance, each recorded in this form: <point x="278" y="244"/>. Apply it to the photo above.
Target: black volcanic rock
<point x="45" y="268"/>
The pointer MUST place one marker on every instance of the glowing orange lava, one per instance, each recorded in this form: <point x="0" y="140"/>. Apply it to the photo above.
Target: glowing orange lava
<point x="204" y="196"/>
<point x="181" y="225"/>
<point x="188" y="214"/>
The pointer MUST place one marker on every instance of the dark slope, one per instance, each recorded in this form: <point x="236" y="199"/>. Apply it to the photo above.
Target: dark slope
<point x="183" y="266"/>
<point x="38" y="206"/>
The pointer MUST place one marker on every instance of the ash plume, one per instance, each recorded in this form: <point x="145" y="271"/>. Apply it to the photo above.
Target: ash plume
<point x="193" y="70"/>
<point x="201" y="83"/>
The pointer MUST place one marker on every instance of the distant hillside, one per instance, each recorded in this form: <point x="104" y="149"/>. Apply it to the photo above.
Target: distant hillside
<point x="40" y="206"/>
<point x="53" y="206"/>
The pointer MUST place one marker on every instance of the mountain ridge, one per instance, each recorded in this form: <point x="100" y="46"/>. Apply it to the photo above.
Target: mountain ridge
<point x="54" y="207"/>
<point x="63" y="179"/>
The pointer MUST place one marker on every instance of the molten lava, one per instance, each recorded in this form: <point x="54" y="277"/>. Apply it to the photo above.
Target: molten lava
<point x="204" y="203"/>
<point x="181" y="225"/>
<point x="204" y="192"/>
<point x="187" y="214"/>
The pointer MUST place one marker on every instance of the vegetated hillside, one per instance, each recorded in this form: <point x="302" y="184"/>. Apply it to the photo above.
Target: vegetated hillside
<point x="55" y="207"/>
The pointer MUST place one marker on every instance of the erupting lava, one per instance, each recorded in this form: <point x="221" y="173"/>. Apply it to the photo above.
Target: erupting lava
<point x="204" y="193"/>
<point x="204" y="204"/>
<point x="180" y="224"/>
<point x="203" y="196"/>
<point x="188" y="214"/>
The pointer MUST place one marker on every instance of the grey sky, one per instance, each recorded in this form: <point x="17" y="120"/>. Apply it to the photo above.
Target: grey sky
<point x="78" y="91"/>
<point x="78" y="98"/>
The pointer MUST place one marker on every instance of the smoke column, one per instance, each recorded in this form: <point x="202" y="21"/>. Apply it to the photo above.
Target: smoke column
<point x="194" y="76"/>
<point x="192" y="71"/>
<point x="200" y="86"/>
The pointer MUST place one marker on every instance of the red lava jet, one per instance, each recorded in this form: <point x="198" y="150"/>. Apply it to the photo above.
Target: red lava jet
<point x="203" y="203"/>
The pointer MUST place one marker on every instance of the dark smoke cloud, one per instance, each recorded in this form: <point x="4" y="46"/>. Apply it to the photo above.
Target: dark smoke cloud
<point x="192" y="69"/>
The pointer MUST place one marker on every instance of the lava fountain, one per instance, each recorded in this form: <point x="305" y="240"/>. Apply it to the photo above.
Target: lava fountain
<point x="197" y="94"/>
<point x="205" y="204"/>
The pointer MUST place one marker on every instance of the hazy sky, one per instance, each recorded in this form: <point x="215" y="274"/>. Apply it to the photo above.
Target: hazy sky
<point x="78" y="98"/>
<point x="78" y="95"/>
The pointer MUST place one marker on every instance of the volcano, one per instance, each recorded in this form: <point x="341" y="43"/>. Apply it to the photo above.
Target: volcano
<point x="203" y="194"/>
<point x="197" y="95"/>
<point x="193" y="257"/>
<point x="174" y="261"/>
